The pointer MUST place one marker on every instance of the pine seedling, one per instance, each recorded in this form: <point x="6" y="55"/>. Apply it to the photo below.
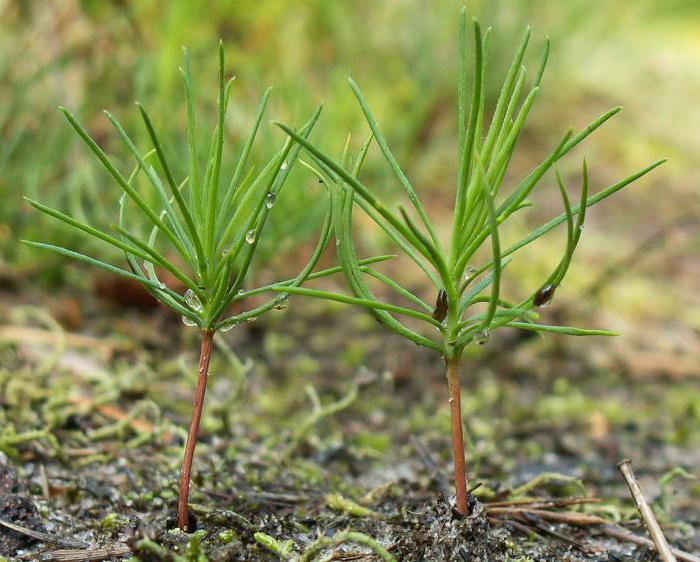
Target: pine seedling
<point x="210" y="225"/>
<point x="482" y="204"/>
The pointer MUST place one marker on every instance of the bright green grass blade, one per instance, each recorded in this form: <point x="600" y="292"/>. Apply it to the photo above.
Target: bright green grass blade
<point x="476" y="321"/>
<point x="543" y="62"/>
<point x="130" y="258"/>
<point x="315" y="275"/>
<point x="584" y="133"/>
<point x="473" y="238"/>
<point x="195" y="174"/>
<point x="163" y="293"/>
<point x="560" y="329"/>
<point x="476" y="206"/>
<point x="495" y="250"/>
<point x="437" y="259"/>
<point x="405" y="293"/>
<point x="507" y="121"/>
<point x="159" y="259"/>
<point x="501" y="159"/>
<point x="525" y="187"/>
<point x="299" y="279"/>
<point x="357" y="186"/>
<point x="213" y="191"/>
<point x="231" y="191"/>
<point x="400" y="241"/>
<point x="326" y="174"/>
<point x="462" y="81"/>
<point x="258" y="219"/>
<point x="365" y="303"/>
<point x="561" y="270"/>
<point x="478" y="140"/>
<point x="469" y="297"/>
<point x="502" y="303"/>
<point x="386" y="151"/>
<point x="468" y="146"/>
<point x="239" y="220"/>
<point x="581" y="216"/>
<point x="431" y="250"/>
<point x="172" y="184"/>
<point x="279" y="168"/>
<point x="286" y="160"/>
<point x="92" y="261"/>
<point x="505" y="96"/>
<point x="123" y="183"/>
<point x="346" y="255"/>
<point x="86" y="228"/>
<point x="154" y="180"/>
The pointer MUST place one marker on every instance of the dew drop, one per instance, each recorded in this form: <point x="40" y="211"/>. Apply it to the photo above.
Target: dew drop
<point x="228" y="328"/>
<point x="284" y="166"/>
<point x="480" y="338"/>
<point x="250" y="236"/>
<point x="270" y="199"/>
<point x="241" y="292"/>
<point x="188" y="321"/>
<point x="251" y="319"/>
<point x="471" y="270"/>
<point x="162" y="286"/>
<point x="282" y="303"/>
<point x="192" y="300"/>
<point x="580" y="227"/>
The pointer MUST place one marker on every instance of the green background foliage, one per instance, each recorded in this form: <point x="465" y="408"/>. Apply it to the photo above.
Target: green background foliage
<point x="94" y="55"/>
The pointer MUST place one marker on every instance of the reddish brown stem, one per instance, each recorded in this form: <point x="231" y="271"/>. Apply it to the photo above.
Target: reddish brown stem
<point x="460" y="477"/>
<point x="197" y="404"/>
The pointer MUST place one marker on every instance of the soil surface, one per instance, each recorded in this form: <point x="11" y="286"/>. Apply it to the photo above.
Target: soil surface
<point x="312" y="429"/>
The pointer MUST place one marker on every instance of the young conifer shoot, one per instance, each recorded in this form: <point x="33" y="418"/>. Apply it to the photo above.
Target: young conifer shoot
<point x="482" y="204"/>
<point x="203" y="230"/>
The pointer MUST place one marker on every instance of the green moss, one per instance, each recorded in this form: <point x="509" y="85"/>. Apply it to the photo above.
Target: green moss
<point x="226" y="536"/>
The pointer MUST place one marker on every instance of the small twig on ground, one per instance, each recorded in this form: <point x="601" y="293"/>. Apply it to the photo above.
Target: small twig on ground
<point x="41" y="536"/>
<point x="568" y="517"/>
<point x="623" y="535"/>
<point x="516" y="525"/>
<point x="542" y="527"/>
<point x="44" y="482"/>
<point x="92" y="555"/>
<point x="572" y="518"/>
<point x="115" y="413"/>
<point x="652" y="525"/>
<point x="542" y="502"/>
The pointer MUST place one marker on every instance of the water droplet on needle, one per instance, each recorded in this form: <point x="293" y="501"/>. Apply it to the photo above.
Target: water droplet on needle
<point x="192" y="300"/>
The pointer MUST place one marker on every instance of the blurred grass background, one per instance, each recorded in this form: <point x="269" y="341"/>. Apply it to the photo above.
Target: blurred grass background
<point x="99" y="54"/>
